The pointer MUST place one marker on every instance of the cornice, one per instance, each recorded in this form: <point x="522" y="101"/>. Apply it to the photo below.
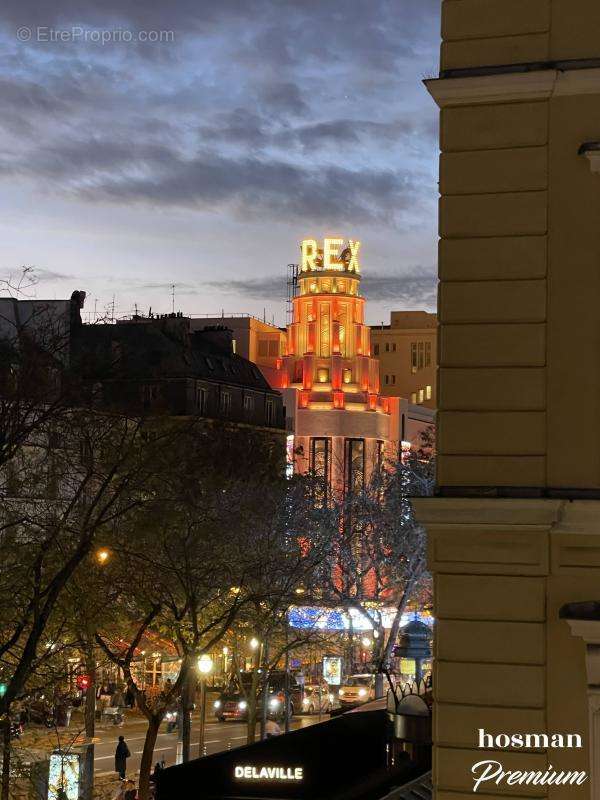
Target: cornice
<point x="513" y="87"/>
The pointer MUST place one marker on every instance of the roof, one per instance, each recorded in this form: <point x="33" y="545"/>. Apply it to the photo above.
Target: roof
<point x="166" y="349"/>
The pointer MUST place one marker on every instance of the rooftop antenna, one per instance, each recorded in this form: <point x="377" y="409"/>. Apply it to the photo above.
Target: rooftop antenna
<point x="173" y="298"/>
<point x="112" y="309"/>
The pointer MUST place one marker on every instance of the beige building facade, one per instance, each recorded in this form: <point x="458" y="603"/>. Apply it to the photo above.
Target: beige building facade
<point x="407" y="354"/>
<point x="514" y="534"/>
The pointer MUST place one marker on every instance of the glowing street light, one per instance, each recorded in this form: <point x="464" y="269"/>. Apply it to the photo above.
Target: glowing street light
<point x="254" y="643"/>
<point x="366" y="642"/>
<point x="102" y="556"/>
<point x="205" y="664"/>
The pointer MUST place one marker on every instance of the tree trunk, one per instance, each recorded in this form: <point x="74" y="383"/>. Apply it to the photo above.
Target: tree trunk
<point x="6" y="757"/>
<point x="147" y="757"/>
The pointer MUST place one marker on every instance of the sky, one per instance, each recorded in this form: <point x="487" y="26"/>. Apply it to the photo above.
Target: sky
<point x="146" y="144"/>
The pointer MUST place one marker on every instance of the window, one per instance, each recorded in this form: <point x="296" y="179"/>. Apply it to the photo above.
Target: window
<point x="347" y="375"/>
<point x="413" y="357"/>
<point x="387" y="347"/>
<point x="225" y="404"/>
<point x="394" y="347"/>
<point x="375" y="349"/>
<point x="233" y="346"/>
<point x="263" y="348"/>
<point x="421" y="355"/>
<point x="323" y="375"/>
<point x="393" y="379"/>
<point x="387" y="379"/>
<point x="320" y="461"/>
<point x="201" y="400"/>
<point x="209" y="362"/>
<point x="273" y="348"/>
<point x="270" y="413"/>
<point x="354" y="464"/>
<point x="150" y="394"/>
<point x="428" y="392"/>
<point x="413" y="397"/>
<point x="427" y="354"/>
<point x="421" y="395"/>
<point x="248" y="404"/>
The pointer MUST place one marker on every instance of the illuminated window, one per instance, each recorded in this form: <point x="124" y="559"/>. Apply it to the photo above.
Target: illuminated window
<point x="323" y="375"/>
<point x="421" y="395"/>
<point x="341" y="286"/>
<point x="347" y="376"/>
<point x="354" y="464"/>
<point x="427" y="354"/>
<point x="413" y="357"/>
<point x="375" y="349"/>
<point x="325" y="337"/>
<point x="234" y="345"/>
<point x="313" y="287"/>
<point x="428" y="392"/>
<point x="421" y="355"/>
<point x="413" y="397"/>
<point x="320" y="461"/>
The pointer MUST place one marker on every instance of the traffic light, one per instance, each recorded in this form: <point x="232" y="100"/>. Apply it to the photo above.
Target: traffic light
<point x="82" y="682"/>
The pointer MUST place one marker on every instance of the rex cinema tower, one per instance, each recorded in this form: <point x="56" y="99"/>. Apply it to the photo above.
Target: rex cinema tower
<point x="342" y="426"/>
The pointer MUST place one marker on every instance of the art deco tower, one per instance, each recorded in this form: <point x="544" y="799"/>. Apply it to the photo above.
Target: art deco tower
<point x="342" y="425"/>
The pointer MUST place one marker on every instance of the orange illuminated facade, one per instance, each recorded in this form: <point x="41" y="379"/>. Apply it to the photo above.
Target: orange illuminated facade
<point x="342" y="426"/>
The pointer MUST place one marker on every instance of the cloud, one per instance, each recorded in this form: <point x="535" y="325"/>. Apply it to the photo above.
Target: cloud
<point x="416" y="288"/>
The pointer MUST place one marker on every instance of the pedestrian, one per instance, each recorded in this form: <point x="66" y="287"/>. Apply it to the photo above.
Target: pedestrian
<point x="121" y="755"/>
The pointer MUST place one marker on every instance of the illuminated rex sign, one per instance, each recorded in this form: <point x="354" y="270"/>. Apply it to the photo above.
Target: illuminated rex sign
<point x="252" y="773"/>
<point x="335" y="254"/>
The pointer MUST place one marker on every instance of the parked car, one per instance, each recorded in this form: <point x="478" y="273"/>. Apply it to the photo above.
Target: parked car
<point x="233" y="703"/>
<point x="318" y="698"/>
<point x="357" y="689"/>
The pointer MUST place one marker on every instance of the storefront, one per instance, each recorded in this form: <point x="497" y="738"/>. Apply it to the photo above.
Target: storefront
<point x="345" y="758"/>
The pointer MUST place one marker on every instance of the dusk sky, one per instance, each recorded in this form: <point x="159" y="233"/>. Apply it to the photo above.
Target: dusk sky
<point x="204" y="159"/>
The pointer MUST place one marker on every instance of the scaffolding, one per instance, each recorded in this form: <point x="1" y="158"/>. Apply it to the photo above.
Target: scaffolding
<point x="292" y="291"/>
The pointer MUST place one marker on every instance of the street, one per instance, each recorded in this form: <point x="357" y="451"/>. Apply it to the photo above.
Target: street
<point x="218" y="736"/>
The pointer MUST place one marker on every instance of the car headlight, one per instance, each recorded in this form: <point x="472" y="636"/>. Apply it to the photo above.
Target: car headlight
<point x="362" y="692"/>
<point x="341" y="692"/>
<point x="242" y="705"/>
<point x="217" y="704"/>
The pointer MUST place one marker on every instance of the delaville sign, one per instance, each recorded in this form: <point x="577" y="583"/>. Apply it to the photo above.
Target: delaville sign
<point x="250" y="773"/>
<point x="335" y="254"/>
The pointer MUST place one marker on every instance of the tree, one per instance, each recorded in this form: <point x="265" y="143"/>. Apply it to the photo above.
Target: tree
<point x="380" y="559"/>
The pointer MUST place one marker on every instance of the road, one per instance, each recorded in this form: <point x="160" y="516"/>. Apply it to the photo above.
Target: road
<point x="218" y="736"/>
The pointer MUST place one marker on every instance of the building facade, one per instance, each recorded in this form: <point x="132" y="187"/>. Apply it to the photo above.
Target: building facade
<point x="253" y="339"/>
<point x="407" y="354"/>
<point x="514" y="535"/>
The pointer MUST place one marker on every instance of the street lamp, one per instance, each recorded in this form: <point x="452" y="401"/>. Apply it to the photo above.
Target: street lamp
<point x="366" y="642"/>
<point x="205" y="665"/>
<point x="254" y="643"/>
<point x="102" y="555"/>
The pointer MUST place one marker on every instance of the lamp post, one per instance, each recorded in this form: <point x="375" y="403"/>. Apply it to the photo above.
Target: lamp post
<point x="205" y="666"/>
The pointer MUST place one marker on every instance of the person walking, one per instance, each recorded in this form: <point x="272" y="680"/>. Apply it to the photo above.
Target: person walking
<point x="121" y="755"/>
